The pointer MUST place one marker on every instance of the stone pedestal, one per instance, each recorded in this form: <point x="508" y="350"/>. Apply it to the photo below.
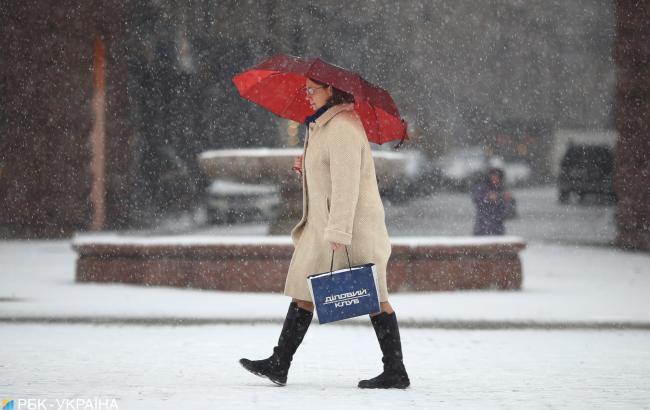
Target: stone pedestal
<point x="259" y="264"/>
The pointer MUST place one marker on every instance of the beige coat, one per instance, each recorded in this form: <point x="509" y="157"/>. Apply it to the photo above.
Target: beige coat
<point x="341" y="203"/>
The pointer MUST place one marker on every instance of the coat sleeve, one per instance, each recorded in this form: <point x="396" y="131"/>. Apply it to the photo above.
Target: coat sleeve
<point x="345" y="148"/>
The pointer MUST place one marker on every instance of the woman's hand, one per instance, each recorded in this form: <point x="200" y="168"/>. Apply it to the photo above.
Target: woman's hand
<point x="297" y="165"/>
<point x="335" y="246"/>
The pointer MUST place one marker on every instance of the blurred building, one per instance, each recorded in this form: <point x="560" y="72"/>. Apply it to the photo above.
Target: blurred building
<point x="632" y="174"/>
<point x="46" y="88"/>
<point x="500" y="73"/>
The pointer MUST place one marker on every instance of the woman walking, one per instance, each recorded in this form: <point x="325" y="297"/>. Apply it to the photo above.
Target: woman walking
<point x="341" y="208"/>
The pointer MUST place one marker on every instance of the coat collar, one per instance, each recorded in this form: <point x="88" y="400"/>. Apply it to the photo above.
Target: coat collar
<point x="330" y="113"/>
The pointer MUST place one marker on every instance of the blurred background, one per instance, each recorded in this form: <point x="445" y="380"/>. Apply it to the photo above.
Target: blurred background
<point x="112" y="113"/>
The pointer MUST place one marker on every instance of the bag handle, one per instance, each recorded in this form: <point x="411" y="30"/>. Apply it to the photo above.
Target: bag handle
<point x="348" y="255"/>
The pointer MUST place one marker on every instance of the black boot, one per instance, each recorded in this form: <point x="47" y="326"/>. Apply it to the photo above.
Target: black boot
<point x="276" y="367"/>
<point x="394" y="375"/>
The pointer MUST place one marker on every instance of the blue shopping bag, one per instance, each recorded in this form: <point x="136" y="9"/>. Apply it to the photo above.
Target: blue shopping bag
<point x="344" y="293"/>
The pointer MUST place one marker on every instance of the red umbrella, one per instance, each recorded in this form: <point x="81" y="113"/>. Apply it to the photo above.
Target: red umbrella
<point x="278" y="84"/>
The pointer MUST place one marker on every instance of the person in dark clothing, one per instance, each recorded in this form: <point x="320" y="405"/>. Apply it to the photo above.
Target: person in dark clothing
<point x="493" y="204"/>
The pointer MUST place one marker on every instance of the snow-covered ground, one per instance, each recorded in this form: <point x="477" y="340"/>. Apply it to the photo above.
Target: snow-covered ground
<point x="162" y="367"/>
<point x="576" y="336"/>
<point x="591" y="363"/>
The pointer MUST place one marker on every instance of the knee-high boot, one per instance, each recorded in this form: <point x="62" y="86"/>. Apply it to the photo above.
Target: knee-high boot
<point x="276" y="367"/>
<point x="394" y="374"/>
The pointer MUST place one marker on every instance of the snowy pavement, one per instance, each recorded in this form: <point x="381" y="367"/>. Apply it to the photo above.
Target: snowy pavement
<point x="195" y="367"/>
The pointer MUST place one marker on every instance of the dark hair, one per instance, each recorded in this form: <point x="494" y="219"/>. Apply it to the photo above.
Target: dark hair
<point x="338" y="96"/>
<point x="495" y="171"/>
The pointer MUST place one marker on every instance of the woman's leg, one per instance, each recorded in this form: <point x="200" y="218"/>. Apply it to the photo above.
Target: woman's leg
<point x="385" y="307"/>
<point x="387" y="331"/>
<point x="276" y="367"/>
<point x="303" y="304"/>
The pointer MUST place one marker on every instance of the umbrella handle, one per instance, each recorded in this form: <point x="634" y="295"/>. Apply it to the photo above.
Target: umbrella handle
<point x="404" y="136"/>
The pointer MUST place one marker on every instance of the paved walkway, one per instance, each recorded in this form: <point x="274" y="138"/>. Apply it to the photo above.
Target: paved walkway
<point x="162" y="367"/>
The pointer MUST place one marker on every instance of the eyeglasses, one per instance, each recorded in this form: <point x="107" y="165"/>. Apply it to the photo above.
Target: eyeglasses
<point x="312" y="90"/>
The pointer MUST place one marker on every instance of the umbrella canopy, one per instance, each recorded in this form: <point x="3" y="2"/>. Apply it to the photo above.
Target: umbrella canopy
<point x="278" y="85"/>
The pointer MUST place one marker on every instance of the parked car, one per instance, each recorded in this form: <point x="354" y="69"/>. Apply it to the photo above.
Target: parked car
<point x="405" y="179"/>
<point x="586" y="169"/>
<point x="229" y="201"/>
